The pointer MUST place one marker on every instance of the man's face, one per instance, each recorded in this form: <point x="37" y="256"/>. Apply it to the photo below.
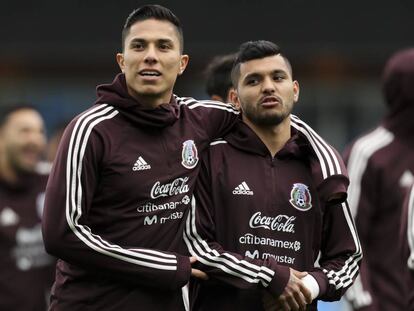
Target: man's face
<point x="152" y="59"/>
<point x="23" y="140"/>
<point x="266" y="91"/>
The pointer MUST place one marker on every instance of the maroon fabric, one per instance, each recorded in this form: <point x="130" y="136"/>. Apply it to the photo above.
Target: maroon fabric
<point x="398" y="81"/>
<point x="243" y="211"/>
<point x="26" y="270"/>
<point x="117" y="199"/>
<point x="387" y="153"/>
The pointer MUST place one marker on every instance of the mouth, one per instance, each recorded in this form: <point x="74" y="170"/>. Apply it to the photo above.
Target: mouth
<point x="270" y="101"/>
<point x="149" y="73"/>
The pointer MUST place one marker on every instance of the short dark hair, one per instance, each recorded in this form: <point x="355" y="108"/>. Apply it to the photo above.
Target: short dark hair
<point x="152" y="11"/>
<point x="7" y="111"/>
<point x="255" y="50"/>
<point x="218" y="75"/>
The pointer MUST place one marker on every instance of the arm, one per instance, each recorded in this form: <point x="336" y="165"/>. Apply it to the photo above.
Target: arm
<point x="215" y="117"/>
<point x="219" y="264"/>
<point x="69" y="198"/>
<point x="340" y="253"/>
<point x="363" y="200"/>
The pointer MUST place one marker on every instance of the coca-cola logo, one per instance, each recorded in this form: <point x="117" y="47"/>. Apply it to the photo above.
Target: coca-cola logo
<point x="282" y="223"/>
<point x="177" y="186"/>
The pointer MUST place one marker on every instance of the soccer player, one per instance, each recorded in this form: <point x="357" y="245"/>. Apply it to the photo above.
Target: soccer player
<point x="26" y="270"/>
<point x="218" y="78"/>
<point x="380" y="165"/>
<point x="121" y="183"/>
<point x="271" y="197"/>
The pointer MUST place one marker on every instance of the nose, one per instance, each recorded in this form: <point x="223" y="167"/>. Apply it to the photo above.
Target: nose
<point x="151" y="56"/>
<point x="268" y="86"/>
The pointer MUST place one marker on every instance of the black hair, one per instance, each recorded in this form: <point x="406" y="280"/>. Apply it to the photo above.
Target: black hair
<point x="255" y="50"/>
<point x="7" y="111"/>
<point x="152" y="11"/>
<point x="218" y="75"/>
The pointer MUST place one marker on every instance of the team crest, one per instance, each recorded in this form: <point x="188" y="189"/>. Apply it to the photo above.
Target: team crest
<point x="189" y="154"/>
<point x="300" y="197"/>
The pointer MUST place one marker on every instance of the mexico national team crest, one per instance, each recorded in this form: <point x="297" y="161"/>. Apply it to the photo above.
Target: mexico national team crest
<point x="300" y="197"/>
<point x="189" y="154"/>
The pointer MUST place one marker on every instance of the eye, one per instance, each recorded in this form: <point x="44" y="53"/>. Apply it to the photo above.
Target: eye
<point x="137" y="46"/>
<point x="279" y="77"/>
<point x="164" y="46"/>
<point x="252" y="81"/>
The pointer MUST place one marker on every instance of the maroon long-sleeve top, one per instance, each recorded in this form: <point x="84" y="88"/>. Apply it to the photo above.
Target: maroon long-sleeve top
<point x="117" y="198"/>
<point x="253" y="216"/>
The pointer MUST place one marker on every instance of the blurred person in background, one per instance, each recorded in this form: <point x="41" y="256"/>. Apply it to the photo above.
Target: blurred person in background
<point x="218" y="78"/>
<point x="120" y="187"/>
<point x="26" y="270"/>
<point x="380" y="165"/>
<point x="267" y="202"/>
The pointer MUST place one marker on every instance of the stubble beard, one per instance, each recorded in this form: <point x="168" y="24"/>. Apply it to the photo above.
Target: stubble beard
<point x="267" y="119"/>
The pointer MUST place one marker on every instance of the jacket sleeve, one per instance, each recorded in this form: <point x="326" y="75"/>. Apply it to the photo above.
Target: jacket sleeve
<point x="340" y="253"/>
<point x="220" y="264"/>
<point x="362" y="202"/>
<point x="213" y="117"/>
<point x="70" y="236"/>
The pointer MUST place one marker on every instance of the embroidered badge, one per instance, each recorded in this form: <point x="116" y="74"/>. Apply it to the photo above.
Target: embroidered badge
<point x="189" y="154"/>
<point x="300" y="197"/>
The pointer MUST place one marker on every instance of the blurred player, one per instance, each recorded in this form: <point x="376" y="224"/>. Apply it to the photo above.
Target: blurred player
<point x="26" y="269"/>
<point x="380" y="165"/>
<point x="218" y="78"/>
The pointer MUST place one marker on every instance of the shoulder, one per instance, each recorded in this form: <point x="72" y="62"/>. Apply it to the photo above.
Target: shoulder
<point x="368" y="144"/>
<point x="328" y="158"/>
<point x="204" y="105"/>
<point x="366" y="150"/>
<point x="91" y="120"/>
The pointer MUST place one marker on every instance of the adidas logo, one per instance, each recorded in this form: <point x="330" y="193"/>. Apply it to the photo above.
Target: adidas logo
<point x="243" y="188"/>
<point x="141" y="165"/>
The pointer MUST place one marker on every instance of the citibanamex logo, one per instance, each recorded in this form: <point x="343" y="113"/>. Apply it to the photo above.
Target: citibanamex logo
<point x="177" y="186"/>
<point x="282" y="223"/>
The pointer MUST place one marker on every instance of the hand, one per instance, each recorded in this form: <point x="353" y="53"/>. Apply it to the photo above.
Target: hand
<point x="197" y="273"/>
<point x="294" y="297"/>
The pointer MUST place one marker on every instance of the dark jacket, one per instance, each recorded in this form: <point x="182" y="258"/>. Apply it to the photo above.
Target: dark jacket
<point x="118" y="196"/>
<point x="254" y="216"/>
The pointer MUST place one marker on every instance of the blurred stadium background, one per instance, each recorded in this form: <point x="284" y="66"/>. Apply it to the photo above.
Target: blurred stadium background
<point x="54" y="53"/>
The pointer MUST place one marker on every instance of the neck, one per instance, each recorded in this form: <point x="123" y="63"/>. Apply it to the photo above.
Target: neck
<point x="274" y="137"/>
<point x="151" y="101"/>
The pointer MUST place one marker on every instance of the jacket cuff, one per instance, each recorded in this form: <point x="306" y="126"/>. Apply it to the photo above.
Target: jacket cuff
<point x="310" y="283"/>
<point x="322" y="281"/>
<point x="279" y="280"/>
<point x="183" y="273"/>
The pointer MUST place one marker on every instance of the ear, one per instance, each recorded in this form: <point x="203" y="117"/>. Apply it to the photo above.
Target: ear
<point x="183" y="63"/>
<point x="120" y="60"/>
<point x="234" y="98"/>
<point x="296" y="90"/>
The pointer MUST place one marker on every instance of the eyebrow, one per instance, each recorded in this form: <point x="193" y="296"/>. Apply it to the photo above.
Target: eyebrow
<point x="141" y="40"/>
<point x="257" y="74"/>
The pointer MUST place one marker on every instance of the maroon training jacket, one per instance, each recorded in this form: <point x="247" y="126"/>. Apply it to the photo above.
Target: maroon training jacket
<point x="26" y="270"/>
<point x="117" y="199"/>
<point x="381" y="168"/>
<point x="254" y="216"/>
